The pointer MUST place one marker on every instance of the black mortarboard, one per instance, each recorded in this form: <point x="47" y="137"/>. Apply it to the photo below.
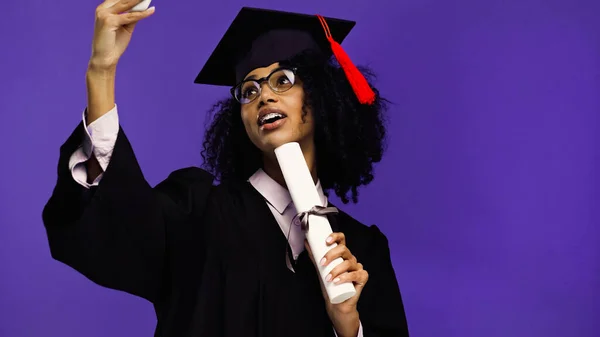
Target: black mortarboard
<point x="260" y="37"/>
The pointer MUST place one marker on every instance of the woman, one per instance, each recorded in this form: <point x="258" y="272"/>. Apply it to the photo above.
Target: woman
<point x="229" y="259"/>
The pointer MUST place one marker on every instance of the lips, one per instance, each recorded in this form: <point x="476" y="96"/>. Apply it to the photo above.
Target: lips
<point x="267" y="116"/>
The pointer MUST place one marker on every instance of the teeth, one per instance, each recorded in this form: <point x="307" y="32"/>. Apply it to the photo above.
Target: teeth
<point x="270" y="116"/>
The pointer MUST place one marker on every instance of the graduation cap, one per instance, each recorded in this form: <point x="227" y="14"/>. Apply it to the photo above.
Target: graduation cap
<point x="260" y="37"/>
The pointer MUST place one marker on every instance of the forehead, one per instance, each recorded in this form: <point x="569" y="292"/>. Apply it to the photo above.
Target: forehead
<point x="261" y="72"/>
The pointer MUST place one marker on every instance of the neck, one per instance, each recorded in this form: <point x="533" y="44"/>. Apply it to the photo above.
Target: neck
<point x="271" y="166"/>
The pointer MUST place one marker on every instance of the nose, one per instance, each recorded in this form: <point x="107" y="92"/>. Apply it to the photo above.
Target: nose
<point x="266" y="94"/>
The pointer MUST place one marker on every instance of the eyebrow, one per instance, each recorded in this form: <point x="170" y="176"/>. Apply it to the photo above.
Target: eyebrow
<point x="254" y="77"/>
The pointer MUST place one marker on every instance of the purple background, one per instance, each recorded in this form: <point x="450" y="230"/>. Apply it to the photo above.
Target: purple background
<point x="489" y="193"/>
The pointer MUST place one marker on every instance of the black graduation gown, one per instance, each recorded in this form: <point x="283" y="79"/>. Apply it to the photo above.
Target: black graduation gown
<point x="211" y="259"/>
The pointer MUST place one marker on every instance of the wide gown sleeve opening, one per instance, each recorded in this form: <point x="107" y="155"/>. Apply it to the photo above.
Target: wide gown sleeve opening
<point x="117" y="234"/>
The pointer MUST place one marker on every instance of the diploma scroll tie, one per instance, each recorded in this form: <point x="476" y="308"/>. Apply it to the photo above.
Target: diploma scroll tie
<point x="303" y="218"/>
<point x="316" y="210"/>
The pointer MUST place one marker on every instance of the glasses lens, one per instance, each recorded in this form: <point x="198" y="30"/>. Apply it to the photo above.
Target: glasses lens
<point x="282" y="80"/>
<point x="247" y="92"/>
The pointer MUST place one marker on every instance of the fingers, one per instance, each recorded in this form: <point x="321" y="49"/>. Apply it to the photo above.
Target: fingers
<point x="114" y="11"/>
<point x="109" y="18"/>
<point x="346" y="266"/>
<point x="359" y="278"/>
<point x="106" y="4"/>
<point x="339" y="251"/>
<point x="118" y="6"/>
<point x="343" y="267"/>
<point x="128" y="18"/>
<point x="349" y="269"/>
<point x="338" y="238"/>
<point x="335" y="252"/>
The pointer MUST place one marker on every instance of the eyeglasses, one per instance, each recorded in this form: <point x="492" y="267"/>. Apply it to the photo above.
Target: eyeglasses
<point x="279" y="80"/>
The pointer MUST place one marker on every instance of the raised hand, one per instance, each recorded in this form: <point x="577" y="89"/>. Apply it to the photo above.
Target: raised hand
<point x="113" y="30"/>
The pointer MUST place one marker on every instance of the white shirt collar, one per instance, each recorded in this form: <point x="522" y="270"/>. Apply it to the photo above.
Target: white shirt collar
<point x="275" y="194"/>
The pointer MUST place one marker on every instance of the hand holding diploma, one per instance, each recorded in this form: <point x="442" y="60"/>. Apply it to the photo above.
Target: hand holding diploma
<point x="342" y="277"/>
<point x="344" y="316"/>
<point x="305" y="197"/>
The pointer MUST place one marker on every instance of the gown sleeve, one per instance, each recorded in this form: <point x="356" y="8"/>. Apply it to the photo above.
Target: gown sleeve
<point x="380" y="306"/>
<point x="117" y="233"/>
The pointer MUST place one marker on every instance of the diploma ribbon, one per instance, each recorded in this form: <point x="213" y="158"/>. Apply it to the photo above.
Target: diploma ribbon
<point x="316" y="210"/>
<point x="303" y="219"/>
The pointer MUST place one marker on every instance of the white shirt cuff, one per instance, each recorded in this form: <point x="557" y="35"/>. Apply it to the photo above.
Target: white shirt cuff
<point x="99" y="138"/>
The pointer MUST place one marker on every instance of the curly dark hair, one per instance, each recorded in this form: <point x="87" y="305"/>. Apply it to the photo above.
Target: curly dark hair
<point x="349" y="136"/>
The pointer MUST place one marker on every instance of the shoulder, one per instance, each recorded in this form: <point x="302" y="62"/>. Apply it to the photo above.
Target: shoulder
<point x="191" y="174"/>
<point x="201" y="185"/>
<point x="360" y="233"/>
<point x="367" y="243"/>
<point x="189" y="188"/>
<point x="197" y="180"/>
<point x="186" y="179"/>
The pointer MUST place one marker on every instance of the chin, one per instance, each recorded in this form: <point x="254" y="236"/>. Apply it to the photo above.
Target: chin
<point x="272" y="144"/>
<point x="268" y="141"/>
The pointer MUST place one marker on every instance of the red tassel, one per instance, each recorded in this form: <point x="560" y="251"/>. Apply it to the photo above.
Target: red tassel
<point x="359" y="83"/>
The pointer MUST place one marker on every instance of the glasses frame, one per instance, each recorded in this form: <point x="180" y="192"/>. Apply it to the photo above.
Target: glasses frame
<point x="260" y="81"/>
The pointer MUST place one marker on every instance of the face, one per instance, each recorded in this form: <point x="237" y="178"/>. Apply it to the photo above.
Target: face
<point x="275" y="118"/>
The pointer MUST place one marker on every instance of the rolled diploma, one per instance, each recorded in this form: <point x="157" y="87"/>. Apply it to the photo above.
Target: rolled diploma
<point x="141" y="6"/>
<point x="305" y="196"/>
